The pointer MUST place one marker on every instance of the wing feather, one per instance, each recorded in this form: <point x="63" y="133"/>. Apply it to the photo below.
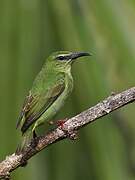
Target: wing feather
<point x="35" y="105"/>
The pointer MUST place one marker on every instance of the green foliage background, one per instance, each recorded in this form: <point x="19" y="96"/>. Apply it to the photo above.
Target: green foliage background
<point x="29" y="31"/>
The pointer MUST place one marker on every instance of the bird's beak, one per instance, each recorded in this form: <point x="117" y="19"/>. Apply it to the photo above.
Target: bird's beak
<point x="79" y="54"/>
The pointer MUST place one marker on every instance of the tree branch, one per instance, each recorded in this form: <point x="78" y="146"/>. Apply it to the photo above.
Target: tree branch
<point x="69" y="128"/>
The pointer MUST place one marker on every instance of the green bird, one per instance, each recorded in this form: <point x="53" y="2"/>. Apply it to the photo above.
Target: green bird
<point x="50" y="89"/>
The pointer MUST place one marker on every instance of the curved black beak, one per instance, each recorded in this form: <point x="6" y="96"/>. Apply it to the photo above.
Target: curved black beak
<point x="79" y="54"/>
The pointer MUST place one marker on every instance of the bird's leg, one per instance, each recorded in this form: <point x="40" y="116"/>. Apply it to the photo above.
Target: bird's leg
<point x="34" y="142"/>
<point x="33" y="131"/>
<point x="34" y="134"/>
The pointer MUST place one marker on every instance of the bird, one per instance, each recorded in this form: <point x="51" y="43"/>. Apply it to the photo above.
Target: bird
<point x="50" y="89"/>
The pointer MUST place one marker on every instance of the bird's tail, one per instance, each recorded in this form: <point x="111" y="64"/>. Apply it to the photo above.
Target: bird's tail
<point x="25" y="140"/>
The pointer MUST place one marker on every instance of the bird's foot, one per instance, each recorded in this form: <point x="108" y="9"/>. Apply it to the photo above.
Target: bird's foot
<point x="58" y="122"/>
<point x="61" y="122"/>
<point x="72" y="135"/>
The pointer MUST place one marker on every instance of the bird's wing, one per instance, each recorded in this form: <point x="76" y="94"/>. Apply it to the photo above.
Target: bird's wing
<point x="35" y="105"/>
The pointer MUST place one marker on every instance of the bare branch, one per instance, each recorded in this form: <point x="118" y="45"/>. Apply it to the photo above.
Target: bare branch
<point x="69" y="128"/>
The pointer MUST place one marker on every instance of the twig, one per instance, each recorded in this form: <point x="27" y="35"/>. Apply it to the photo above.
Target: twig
<point x="108" y="105"/>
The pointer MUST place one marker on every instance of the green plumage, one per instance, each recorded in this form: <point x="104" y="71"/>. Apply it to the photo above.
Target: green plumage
<point x="52" y="86"/>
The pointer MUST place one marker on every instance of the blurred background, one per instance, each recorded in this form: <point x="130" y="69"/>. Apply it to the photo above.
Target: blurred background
<point x="32" y="29"/>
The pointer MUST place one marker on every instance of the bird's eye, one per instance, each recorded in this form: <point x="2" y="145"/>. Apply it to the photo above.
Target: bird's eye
<point x="61" y="57"/>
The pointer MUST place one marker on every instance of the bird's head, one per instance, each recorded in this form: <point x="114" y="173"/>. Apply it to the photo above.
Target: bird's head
<point x="64" y="59"/>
